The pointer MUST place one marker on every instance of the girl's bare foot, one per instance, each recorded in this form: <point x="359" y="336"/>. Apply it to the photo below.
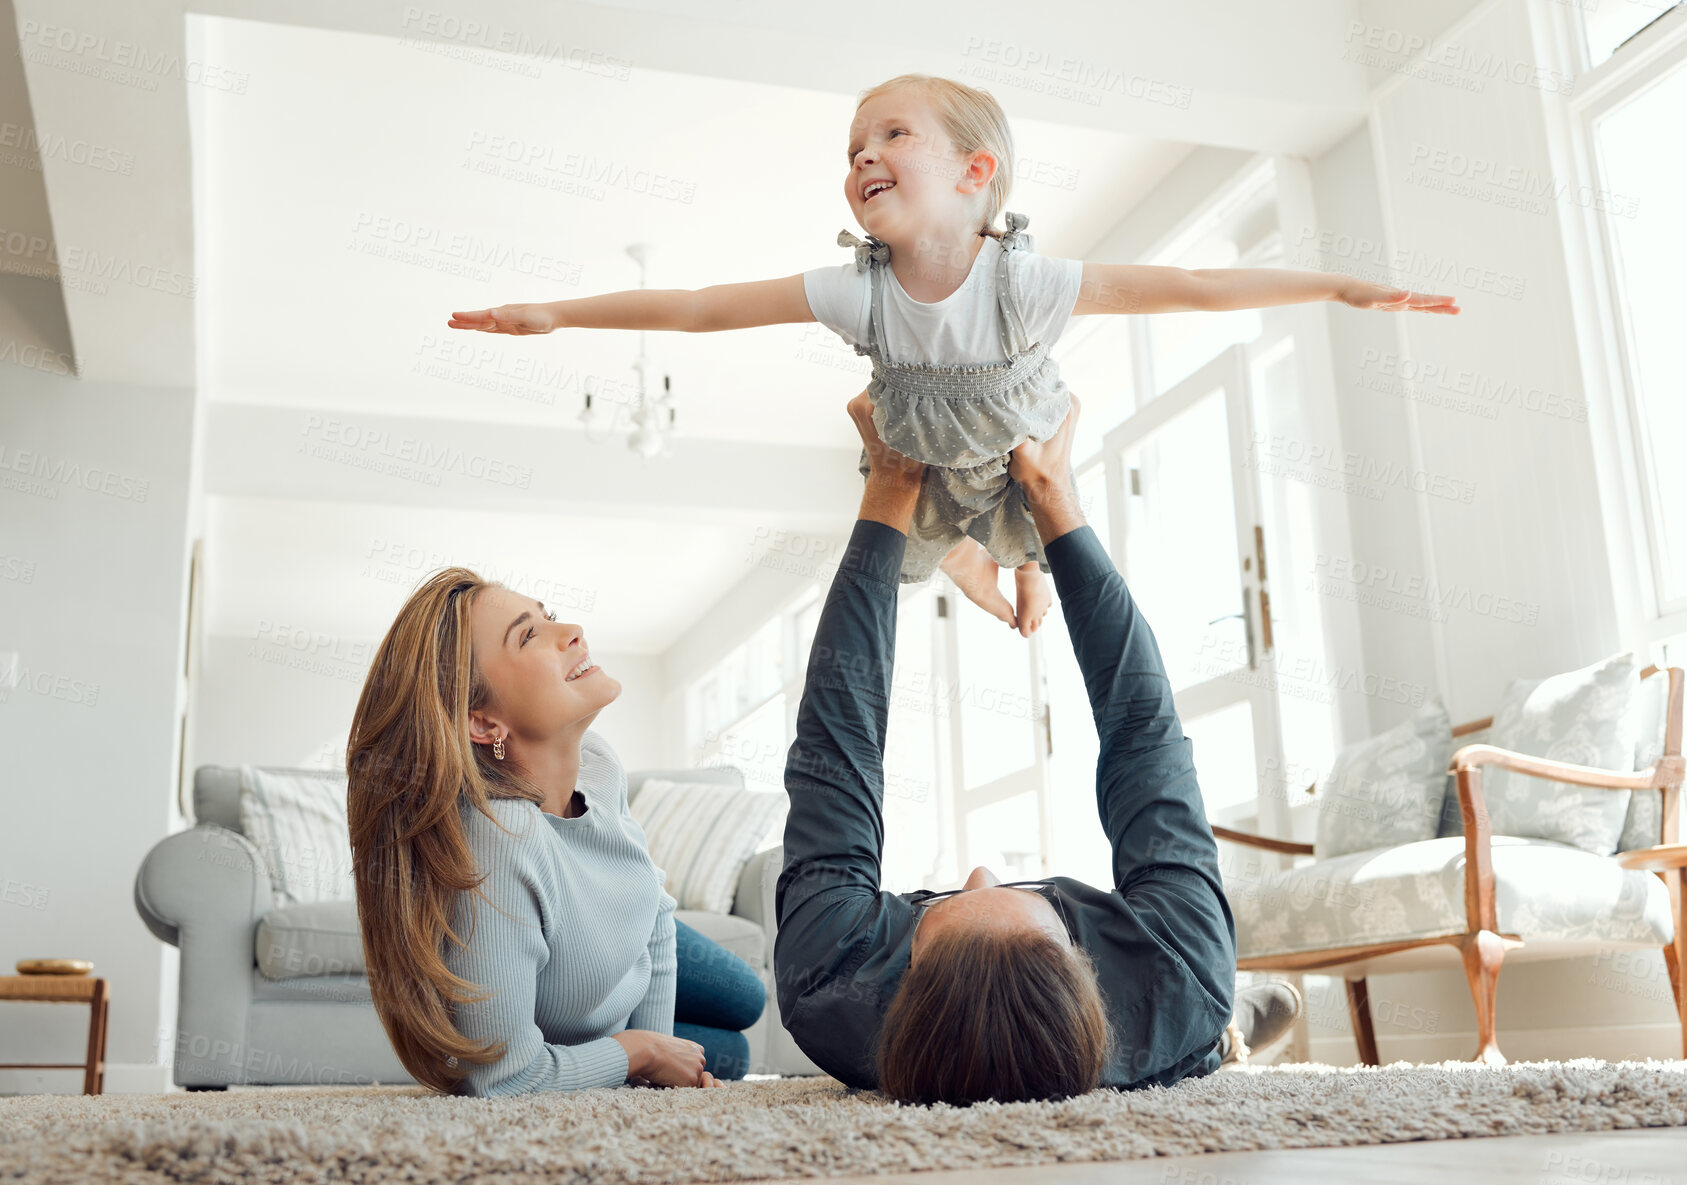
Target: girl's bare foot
<point x="974" y="573"/>
<point x="1033" y="596"/>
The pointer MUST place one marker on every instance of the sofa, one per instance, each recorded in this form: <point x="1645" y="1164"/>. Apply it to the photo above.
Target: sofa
<point x="273" y="995"/>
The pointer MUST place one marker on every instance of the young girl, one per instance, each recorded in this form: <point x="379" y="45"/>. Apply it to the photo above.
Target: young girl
<point x="958" y="318"/>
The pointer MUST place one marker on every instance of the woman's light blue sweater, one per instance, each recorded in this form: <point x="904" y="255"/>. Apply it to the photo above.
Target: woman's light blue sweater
<point x="580" y="944"/>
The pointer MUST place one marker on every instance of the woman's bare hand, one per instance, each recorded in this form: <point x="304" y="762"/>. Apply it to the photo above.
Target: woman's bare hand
<point x="656" y="1059"/>
<point x="518" y="319"/>
<point x="1362" y="294"/>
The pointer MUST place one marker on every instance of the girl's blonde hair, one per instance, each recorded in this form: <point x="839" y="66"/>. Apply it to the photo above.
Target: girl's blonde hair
<point x="974" y="121"/>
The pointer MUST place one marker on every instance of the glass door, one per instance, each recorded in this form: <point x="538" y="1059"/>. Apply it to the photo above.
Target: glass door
<point x="1184" y="525"/>
<point x="994" y="696"/>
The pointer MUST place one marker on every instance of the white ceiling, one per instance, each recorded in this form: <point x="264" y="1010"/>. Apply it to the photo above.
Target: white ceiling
<point x="352" y="120"/>
<point x="345" y="146"/>
<point x="326" y="568"/>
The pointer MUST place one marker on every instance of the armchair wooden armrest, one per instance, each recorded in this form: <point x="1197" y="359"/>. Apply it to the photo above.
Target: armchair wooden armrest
<point x="1288" y="847"/>
<point x="1666" y="772"/>
<point x="1480" y="913"/>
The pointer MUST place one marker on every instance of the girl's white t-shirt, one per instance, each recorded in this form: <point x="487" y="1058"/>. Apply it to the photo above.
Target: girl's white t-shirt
<point x="960" y="329"/>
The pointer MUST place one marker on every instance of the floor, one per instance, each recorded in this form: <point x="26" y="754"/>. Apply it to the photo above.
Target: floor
<point x="1653" y="1156"/>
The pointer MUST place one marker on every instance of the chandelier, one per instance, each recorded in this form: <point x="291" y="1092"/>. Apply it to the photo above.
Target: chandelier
<point x="652" y="419"/>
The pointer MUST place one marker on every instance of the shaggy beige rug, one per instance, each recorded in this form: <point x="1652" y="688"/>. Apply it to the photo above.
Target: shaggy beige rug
<point x="796" y="1127"/>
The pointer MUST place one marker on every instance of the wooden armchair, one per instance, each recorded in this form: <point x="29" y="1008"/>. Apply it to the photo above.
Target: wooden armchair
<point x="1480" y="943"/>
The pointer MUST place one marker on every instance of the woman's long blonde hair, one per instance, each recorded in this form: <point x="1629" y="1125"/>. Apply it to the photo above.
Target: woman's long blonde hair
<point x="974" y="121"/>
<point x="409" y="766"/>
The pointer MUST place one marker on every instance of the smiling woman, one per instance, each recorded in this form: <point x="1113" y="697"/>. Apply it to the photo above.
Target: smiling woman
<point x="474" y="778"/>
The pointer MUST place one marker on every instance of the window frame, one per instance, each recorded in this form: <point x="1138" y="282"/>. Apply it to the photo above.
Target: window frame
<point x="1628" y="493"/>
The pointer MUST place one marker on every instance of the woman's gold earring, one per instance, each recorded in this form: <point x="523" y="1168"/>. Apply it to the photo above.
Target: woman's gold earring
<point x="498" y="748"/>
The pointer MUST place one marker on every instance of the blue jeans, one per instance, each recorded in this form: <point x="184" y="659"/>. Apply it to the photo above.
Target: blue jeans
<point x="717" y="997"/>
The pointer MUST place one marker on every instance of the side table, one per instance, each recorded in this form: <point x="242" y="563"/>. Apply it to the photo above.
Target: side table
<point x="66" y="989"/>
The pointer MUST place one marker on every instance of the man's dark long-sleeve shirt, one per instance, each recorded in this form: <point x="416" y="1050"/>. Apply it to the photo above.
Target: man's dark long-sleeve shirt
<point x="1163" y="940"/>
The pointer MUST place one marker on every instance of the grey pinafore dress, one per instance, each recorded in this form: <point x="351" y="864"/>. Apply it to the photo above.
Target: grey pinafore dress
<point x="962" y="421"/>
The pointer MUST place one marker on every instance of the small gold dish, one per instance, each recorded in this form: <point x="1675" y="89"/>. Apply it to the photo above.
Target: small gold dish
<point x="54" y="966"/>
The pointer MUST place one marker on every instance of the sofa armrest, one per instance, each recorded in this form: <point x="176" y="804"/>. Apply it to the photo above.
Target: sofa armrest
<point x="756" y="885"/>
<point x="206" y="889"/>
<point x="204" y="876"/>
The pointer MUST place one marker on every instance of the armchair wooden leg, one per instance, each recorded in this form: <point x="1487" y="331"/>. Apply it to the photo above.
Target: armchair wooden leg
<point x="1675" y="954"/>
<point x="1673" y="962"/>
<point x="1483" y="952"/>
<point x="1359" y="1010"/>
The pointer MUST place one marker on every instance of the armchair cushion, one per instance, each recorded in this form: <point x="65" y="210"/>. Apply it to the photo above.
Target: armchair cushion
<point x="1386" y="790"/>
<point x="1543" y="890"/>
<point x="1582" y="717"/>
<point x="1644" y="825"/>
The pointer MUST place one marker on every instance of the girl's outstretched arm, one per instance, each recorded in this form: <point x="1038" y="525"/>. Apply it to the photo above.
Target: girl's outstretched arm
<point x="1145" y="288"/>
<point x="702" y="310"/>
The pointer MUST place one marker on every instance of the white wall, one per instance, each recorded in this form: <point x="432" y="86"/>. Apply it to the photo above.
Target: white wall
<point x="1386" y="531"/>
<point x="262" y="703"/>
<point x="1532" y="532"/>
<point x="94" y="605"/>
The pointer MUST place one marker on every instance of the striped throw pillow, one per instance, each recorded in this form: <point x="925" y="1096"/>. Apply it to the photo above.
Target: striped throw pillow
<point x="702" y="834"/>
<point x="297" y="821"/>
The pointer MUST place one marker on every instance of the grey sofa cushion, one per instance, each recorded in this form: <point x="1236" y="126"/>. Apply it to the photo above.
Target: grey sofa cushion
<point x="298" y="822"/>
<point x="316" y="938"/>
<point x="718" y="775"/>
<point x="323" y="938"/>
<point x="741" y="936"/>
<point x="312" y="989"/>
<point x="702" y="835"/>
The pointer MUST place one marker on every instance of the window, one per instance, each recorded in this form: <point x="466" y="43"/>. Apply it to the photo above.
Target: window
<point x="1607" y="25"/>
<point x="1620" y="206"/>
<point x="1094" y="355"/>
<point x="1181" y="342"/>
<point x="1647" y="187"/>
<point x="913" y="773"/>
<point x="743" y="713"/>
<point x="737" y="713"/>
